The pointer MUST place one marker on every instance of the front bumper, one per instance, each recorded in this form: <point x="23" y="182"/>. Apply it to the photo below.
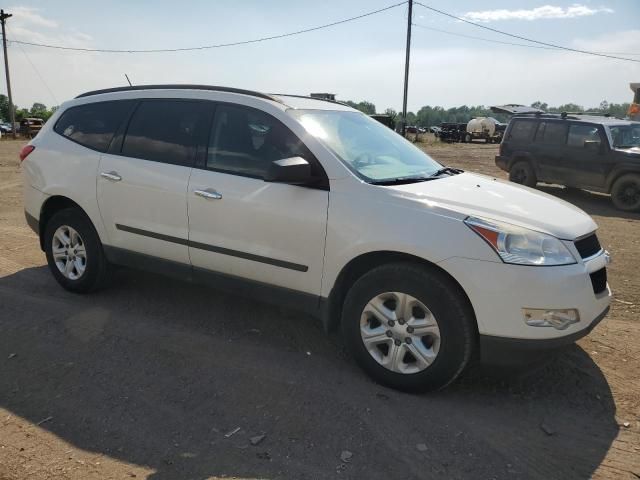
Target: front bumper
<point x="499" y="292"/>
<point x="503" y="351"/>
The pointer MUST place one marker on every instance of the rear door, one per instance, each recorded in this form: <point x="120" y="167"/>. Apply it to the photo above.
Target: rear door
<point x="242" y="226"/>
<point x="142" y="181"/>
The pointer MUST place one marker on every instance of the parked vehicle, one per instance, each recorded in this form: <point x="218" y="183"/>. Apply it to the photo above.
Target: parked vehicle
<point x="484" y="128"/>
<point x="384" y="119"/>
<point x="411" y="129"/>
<point x="452" y="132"/>
<point x="29" y="127"/>
<point x="5" y="127"/>
<point x="435" y="130"/>
<point x="312" y="204"/>
<point x="580" y="151"/>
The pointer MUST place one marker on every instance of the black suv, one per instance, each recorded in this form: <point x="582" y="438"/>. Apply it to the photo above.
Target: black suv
<point x="591" y="152"/>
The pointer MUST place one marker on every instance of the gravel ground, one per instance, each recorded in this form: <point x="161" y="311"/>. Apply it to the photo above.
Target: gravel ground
<point x="157" y="379"/>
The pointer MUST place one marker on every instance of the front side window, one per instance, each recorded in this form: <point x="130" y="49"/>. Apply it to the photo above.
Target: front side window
<point x="245" y="141"/>
<point x="522" y="130"/>
<point x="374" y="152"/>
<point x="581" y="134"/>
<point x="167" y="131"/>
<point x="625" y="136"/>
<point x="552" y="133"/>
<point x="94" y="124"/>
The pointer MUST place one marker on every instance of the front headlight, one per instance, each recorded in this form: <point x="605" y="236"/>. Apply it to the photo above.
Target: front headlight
<point x="519" y="245"/>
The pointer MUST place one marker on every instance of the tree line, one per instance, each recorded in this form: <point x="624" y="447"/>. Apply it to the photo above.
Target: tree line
<point x="37" y="110"/>
<point x="428" y="116"/>
<point x="425" y="117"/>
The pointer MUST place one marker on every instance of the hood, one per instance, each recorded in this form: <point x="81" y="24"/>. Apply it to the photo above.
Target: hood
<point x="477" y="195"/>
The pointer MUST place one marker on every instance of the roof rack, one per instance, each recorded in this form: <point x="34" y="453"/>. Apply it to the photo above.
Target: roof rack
<point x="180" y="87"/>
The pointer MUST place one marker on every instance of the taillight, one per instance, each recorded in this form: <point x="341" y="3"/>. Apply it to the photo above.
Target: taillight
<point x="26" y="150"/>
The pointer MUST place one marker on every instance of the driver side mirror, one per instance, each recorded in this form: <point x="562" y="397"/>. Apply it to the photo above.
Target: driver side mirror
<point x="294" y="171"/>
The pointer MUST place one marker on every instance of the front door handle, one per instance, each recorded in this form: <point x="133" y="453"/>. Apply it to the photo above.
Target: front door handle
<point x="111" y="176"/>
<point x="209" y="194"/>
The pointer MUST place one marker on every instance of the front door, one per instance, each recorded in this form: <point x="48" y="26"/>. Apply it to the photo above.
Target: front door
<point x="584" y="156"/>
<point x="242" y="226"/>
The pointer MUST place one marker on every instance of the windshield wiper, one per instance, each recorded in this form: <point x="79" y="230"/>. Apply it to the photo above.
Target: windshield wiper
<point x="449" y="170"/>
<point x="405" y="180"/>
<point x="402" y="180"/>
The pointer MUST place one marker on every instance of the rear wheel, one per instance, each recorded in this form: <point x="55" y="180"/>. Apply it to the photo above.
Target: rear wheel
<point x="625" y="193"/>
<point x="408" y="327"/>
<point x="74" y="251"/>
<point x="467" y="138"/>
<point x="522" y="172"/>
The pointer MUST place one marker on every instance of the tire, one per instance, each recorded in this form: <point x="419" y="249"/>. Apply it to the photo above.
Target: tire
<point x="467" y="138"/>
<point x="625" y="193"/>
<point x="88" y="272"/>
<point x="432" y="298"/>
<point x="521" y="172"/>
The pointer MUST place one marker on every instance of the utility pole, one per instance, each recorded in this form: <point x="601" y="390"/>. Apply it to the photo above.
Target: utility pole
<point x="406" y="69"/>
<point x="12" y="113"/>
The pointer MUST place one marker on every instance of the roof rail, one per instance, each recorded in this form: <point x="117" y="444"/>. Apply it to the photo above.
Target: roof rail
<point x="180" y="87"/>
<point x="311" y="98"/>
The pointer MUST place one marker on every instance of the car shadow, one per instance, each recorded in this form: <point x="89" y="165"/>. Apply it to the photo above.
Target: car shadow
<point x="178" y="378"/>
<point x="591" y="202"/>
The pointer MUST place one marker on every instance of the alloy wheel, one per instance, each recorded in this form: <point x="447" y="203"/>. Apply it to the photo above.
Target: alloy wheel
<point x="69" y="252"/>
<point x="400" y="332"/>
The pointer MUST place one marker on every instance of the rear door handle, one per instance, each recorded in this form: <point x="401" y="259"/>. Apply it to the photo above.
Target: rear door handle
<point x="111" y="176"/>
<point x="209" y="194"/>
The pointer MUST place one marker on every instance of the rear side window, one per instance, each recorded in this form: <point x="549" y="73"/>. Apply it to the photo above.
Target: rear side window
<point x="94" y="124"/>
<point x="167" y="131"/>
<point x="552" y="133"/>
<point x="581" y="134"/>
<point x="244" y="141"/>
<point x="522" y="130"/>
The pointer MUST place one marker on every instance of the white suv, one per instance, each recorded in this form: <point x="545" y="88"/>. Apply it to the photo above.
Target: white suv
<point x="312" y="204"/>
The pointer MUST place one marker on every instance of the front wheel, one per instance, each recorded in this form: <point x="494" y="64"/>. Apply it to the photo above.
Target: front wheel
<point x="467" y="138"/>
<point x="625" y="193"/>
<point x="74" y="251"/>
<point x="409" y="327"/>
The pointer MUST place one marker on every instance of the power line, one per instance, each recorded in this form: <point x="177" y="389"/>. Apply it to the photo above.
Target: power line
<point x="40" y="76"/>
<point x="207" y="47"/>
<point x="519" y="37"/>
<point x="504" y="43"/>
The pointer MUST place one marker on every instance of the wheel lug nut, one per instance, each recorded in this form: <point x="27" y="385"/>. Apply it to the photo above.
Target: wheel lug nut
<point x="409" y="329"/>
<point x="408" y="340"/>
<point x="391" y="323"/>
<point x="401" y="321"/>
<point x="389" y="333"/>
<point x="397" y="341"/>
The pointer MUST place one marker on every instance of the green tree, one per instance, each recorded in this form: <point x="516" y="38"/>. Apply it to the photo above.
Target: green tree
<point x="364" y="106"/>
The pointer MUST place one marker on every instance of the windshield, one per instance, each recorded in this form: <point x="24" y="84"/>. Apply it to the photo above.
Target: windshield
<point x="625" y="135"/>
<point x="373" y="151"/>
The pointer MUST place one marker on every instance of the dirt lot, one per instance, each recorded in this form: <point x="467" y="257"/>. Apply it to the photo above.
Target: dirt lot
<point x="151" y="378"/>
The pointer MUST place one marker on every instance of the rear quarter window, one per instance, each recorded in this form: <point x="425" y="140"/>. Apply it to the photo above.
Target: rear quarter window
<point x="522" y="130"/>
<point x="93" y="125"/>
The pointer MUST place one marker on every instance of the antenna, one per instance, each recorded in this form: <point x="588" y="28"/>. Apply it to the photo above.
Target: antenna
<point x="127" y="77"/>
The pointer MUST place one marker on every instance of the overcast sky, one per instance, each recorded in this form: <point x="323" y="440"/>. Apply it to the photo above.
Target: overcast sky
<point x="360" y="60"/>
